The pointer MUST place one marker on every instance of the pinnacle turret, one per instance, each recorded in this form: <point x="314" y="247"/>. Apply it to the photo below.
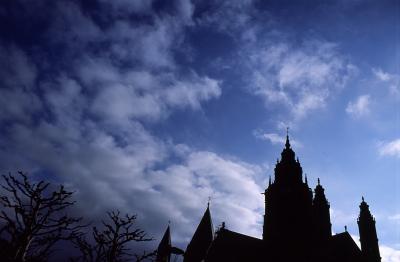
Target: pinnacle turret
<point x="368" y="236"/>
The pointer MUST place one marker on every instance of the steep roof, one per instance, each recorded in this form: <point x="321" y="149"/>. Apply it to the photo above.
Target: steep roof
<point x="163" y="250"/>
<point x="201" y="240"/>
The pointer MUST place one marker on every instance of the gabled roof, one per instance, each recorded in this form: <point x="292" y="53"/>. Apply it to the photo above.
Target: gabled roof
<point x="344" y="249"/>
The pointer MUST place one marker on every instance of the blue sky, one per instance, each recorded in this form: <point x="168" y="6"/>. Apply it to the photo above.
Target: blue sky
<point x="153" y="106"/>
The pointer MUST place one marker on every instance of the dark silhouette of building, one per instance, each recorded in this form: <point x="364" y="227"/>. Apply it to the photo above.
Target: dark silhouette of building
<point x="201" y="240"/>
<point x="297" y="227"/>
<point x="165" y="249"/>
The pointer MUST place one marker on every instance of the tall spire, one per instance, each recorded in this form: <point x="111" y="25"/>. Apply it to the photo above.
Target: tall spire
<point x="164" y="248"/>
<point x="287" y="144"/>
<point x="202" y="238"/>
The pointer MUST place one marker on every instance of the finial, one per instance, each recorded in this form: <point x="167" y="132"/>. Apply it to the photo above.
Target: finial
<point x="306" y="179"/>
<point x="287" y="144"/>
<point x="318" y="181"/>
<point x="269" y="181"/>
<point x="169" y="222"/>
<point x="345" y="228"/>
<point x="362" y="198"/>
<point x="208" y="203"/>
<point x="223" y="225"/>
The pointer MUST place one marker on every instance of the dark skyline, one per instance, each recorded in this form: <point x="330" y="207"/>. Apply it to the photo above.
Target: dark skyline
<point x="152" y="107"/>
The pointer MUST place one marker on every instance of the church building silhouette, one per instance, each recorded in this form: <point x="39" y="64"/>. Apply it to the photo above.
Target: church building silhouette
<point x="297" y="227"/>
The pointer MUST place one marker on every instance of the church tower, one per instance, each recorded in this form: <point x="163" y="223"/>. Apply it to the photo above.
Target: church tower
<point x="288" y="207"/>
<point x="321" y="215"/>
<point x="368" y="236"/>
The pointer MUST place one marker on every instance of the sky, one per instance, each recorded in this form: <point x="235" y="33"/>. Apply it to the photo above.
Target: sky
<point x="151" y="107"/>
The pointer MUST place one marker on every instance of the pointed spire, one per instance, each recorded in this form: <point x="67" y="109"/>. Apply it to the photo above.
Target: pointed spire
<point x="164" y="248"/>
<point x="202" y="238"/>
<point x="287" y="144"/>
<point x="306" y="181"/>
<point x="269" y="183"/>
<point x="345" y="228"/>
<point x="319" y="182"/>
<point x="362" y="198"/>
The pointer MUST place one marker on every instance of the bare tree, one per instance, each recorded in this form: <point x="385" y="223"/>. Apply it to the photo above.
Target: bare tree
<point x="111" y="242"/>
<point x="33" y="218"/>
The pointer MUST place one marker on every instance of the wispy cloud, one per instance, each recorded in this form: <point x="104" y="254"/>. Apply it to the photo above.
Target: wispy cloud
<point x="392" y="80"/>
<point x="389" y="254"/>
<point x="275" y="138"/>
<point x="360" y="107"/>
<point x="381" y="75"/>
<point x="91" y="121"/>
<point x="391" y="148"/>
<point x="302" y="78"/>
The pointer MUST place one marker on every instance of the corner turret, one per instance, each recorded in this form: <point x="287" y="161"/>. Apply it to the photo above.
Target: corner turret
<point x="321" y="215"/>
<point x="368" y="237"/>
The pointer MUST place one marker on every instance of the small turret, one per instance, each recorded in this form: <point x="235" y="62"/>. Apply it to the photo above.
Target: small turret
<point x="321" y="215"/>
<point x="368" y="236"/>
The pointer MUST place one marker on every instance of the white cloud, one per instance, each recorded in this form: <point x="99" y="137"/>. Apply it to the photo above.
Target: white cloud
<point x="381" y="75"/>
<point x="275" y="138"/>
<point x="389" y="254"/>
<point x="360" y="107"/>
<point x="392" y="80"/>
<point x="122" y="96"/>
<point x="89" y="123"/>
<point x="391" y="148"/>
<point x="302" y="78"/>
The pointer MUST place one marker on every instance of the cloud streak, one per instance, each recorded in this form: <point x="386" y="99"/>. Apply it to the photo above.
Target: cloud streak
<point x="301" y="78"/>
<point x="390" y="148"/>
<point x="360" y="107"/>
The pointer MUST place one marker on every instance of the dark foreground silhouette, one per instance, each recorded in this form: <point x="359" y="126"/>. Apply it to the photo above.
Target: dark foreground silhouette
<point x="297" y="227"/>
<point x="34" y="219"/>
